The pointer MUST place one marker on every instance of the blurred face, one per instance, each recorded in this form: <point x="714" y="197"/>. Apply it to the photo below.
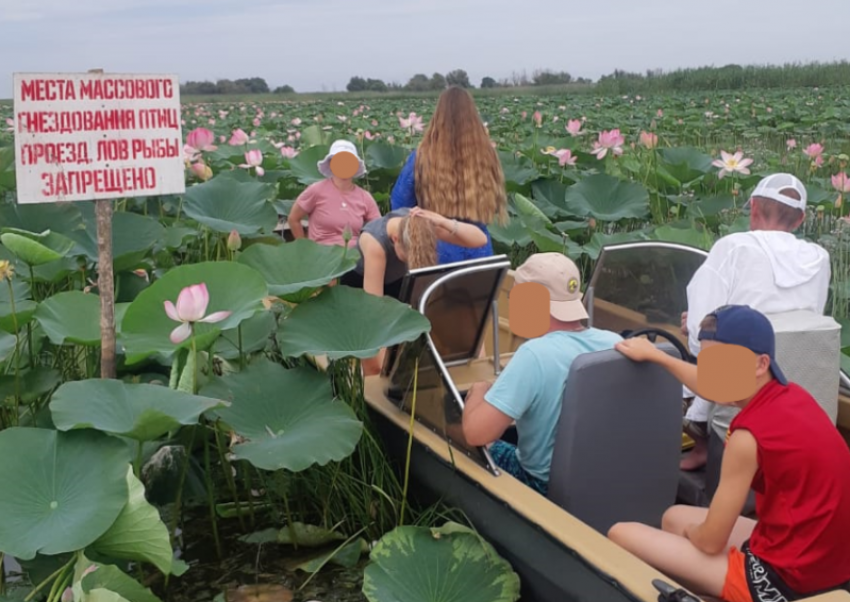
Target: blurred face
<point x="729" y="374"/>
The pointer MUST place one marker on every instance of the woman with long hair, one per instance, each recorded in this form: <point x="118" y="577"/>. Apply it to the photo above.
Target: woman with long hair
<point x="455" y="172"/>
<point x="402" y="240"/>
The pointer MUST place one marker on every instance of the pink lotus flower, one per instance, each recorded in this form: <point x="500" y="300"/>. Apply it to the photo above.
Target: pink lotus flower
<point x="412" y="123"/>
<point x="191" y="306"/>
<point x="368" y="135"/>
<point x="609" y="141"/>
<point x="813" y="151"/>
<point x="841" y="182"/>
<point x="288" y="152"/>
<point x="524" y="114"/>
<point x="254" y="158"/>
<point x="201" y="139"/>
<point x="732" y="163"/>
<point x="238" y="138"/>
<point x="573" y="127"/>
<point x="296" y="122"/>
<point x="538" y="118"/>
<point x="791" y="143"/>
<point x="648" y="139"/>
<point x="565" y="157"/>
<point x="659" y="113"/>
<point x="257" y="122"/>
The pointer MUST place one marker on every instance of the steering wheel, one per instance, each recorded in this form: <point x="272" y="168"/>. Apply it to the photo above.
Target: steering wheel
<point x="653" y="333"/>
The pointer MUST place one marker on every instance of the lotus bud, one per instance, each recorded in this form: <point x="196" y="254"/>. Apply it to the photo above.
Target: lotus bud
<point x="234" y="241"/>
<point x="346" y="235"/>
<point x="68" y="595"/>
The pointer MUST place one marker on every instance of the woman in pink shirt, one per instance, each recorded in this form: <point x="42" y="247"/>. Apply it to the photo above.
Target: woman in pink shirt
<point x="334" y="205"/>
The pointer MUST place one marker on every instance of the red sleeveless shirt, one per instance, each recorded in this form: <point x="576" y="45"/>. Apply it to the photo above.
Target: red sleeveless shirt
<point x="802" y="488"/>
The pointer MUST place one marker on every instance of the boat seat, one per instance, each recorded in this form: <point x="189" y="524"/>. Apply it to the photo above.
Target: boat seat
<point x="618" y="440"/>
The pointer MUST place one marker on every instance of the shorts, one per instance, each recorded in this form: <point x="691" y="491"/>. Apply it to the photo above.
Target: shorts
<point x="750" y="579"/>
<point x="504" y="455"/>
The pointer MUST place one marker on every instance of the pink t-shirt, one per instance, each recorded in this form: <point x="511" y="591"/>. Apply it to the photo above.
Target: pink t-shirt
<point x="331" y="210"/>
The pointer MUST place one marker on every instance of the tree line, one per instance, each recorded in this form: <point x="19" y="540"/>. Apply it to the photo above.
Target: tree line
<point x="420" y="82"/>
<point x="727" y="77"/>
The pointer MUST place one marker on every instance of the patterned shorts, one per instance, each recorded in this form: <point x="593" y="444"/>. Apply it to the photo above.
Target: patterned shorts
<point x="504" y="455"/>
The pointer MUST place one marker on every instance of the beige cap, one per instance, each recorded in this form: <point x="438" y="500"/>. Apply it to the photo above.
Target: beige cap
<point x="562" y="278"/>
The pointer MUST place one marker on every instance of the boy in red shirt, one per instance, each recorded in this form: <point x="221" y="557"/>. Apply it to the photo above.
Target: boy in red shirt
<point x="783" y="446"/>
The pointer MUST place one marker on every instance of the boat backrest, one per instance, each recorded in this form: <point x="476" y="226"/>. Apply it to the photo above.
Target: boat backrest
<point x="808" y="349"/>
<point x="618" y="440"/>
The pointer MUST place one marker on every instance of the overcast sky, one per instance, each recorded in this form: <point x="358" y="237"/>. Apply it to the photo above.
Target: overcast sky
<point x="316" y="45"/>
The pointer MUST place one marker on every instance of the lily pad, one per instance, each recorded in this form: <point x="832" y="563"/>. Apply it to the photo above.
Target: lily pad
<point x="309" y="536"/>
<point x="36" y="249"/>
<point x="142" y="412"/>
<point x="417" y="564"/>
<point x="288" y="417"/>
<point x="304" y="165"/>
<point x="33" y="384"/>
<point x="225" y="203"/>
<point x="69" y="488"/>
<point x="607" y="198"/>
<point x="233" y="287"/>
<point x="137" y="534"/>
<point x="346" y="322"/>
<point x="296" y="270"/>
<point x="133" y="235"/>
<point x="71" y="317"/>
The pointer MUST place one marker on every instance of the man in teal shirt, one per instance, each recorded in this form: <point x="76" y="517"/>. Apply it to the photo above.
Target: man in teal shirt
<point x="530" y="389"/>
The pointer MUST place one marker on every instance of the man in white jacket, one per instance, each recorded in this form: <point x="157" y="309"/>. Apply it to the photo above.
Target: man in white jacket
<point x="767" y="268"/>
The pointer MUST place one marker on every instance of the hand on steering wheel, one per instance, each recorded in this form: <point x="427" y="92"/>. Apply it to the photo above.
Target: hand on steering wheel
<point x="653" y="333"/>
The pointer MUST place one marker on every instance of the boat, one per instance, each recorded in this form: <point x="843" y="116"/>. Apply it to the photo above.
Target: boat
<point x="557" y="543"/>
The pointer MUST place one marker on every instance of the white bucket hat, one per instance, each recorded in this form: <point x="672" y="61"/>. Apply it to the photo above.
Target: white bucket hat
<point x="338" y="147"/>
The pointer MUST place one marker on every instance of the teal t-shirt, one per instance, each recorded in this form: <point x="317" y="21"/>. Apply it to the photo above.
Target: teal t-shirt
<point x="530" y="390"/>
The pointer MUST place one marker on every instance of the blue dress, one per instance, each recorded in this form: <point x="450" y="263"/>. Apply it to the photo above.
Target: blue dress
<point x="404" y="195"/>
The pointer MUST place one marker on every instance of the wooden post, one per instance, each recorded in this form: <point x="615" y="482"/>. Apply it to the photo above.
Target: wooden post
<point x="105" y="283"/>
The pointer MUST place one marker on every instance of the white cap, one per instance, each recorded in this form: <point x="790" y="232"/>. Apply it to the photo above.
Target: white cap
<point x="772" y="187"/>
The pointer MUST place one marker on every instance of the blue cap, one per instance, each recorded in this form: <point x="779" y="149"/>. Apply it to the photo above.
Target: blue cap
<point x="744" y="326"/>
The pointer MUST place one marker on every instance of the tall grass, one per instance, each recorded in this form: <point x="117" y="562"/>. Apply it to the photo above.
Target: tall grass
<point x="728" y="77"/>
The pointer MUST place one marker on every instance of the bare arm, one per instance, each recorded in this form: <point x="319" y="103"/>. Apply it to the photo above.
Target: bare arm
<point x="482" y="422"/>
<point x="740" y="463"/>
<point x="374" y="269"/>
<point x="453" y="231"/>
<point x="294" y="221"/>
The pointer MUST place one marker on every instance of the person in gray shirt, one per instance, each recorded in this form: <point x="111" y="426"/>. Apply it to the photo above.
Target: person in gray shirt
<point x="398" y="241"/>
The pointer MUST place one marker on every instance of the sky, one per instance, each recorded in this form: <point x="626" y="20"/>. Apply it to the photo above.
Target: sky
<point x="317" y="45"/>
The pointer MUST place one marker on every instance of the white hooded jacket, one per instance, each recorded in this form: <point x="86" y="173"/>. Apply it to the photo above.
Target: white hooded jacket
<point x="771" y="271"/>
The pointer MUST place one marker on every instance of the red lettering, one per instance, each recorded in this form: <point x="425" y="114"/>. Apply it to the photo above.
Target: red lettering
<point x="28" y="91"/>
<point x="48" y="184"/>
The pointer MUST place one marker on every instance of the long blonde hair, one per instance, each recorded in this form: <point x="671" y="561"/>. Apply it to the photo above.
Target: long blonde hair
<point x="457" y="171"/>
<point x="419" y="240"/>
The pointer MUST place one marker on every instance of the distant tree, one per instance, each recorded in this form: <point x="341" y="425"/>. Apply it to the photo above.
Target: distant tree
<point x="458" y="77"/>
<point x="253" y="85"/>
<point x="549" y="78"/>
<point x="488" y="82"/>
<point x="285" y="89"/>
<point x="419" y="83"/>
<point x="438" y="82"/>
<point x="356" y="84"/>
<point x="376" y="85"/>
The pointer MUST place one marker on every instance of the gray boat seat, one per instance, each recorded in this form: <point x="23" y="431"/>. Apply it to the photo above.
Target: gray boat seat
<point x="618" y="441"/>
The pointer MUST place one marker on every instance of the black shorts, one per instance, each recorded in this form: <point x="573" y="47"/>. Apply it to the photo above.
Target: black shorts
<point x="355" y="280"/>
